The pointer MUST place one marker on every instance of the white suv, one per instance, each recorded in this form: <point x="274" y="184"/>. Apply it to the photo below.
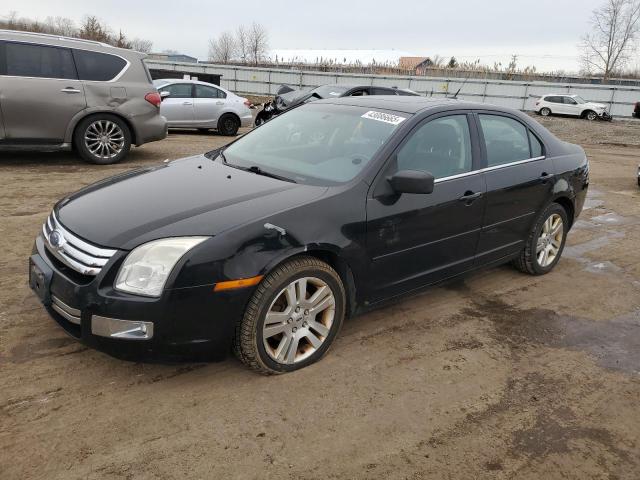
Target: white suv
<point x="574" y="105"/>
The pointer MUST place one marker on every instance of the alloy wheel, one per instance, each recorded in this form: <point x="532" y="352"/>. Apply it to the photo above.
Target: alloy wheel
<point x="550" y="240"/>
<point x="299" y="320"/>
<point x="591" y="116"/>
<point x="104" y="139"/>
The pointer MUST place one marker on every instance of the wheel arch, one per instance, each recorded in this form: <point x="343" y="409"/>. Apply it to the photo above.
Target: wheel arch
<point x="332" y="257"/>
<point x="76" y="122"/>
<point x="566" y="203"/>
<point x="586" y="111"/>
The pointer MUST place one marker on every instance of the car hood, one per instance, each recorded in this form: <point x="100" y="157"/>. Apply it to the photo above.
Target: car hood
<point x="193" y="196"/>
<point x="595" y="105"/>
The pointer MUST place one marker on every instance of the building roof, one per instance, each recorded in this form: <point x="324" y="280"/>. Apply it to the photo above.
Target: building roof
<point x="409" y="63"/>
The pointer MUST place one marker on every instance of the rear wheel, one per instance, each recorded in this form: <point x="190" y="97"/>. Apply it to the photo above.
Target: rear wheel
<point x="545" y="243"/>
<point x="545" y="112"/>
<point x="102" y="139"/>
<point x="293" y="317"/>
<point x="228" y="124"/>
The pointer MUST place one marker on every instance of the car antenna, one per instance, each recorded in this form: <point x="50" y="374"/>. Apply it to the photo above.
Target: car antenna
<point x="455" y="97"/>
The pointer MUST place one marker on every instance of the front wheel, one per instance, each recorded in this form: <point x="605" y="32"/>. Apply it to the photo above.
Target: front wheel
<point x="293" y="317"/>
<point x="102" y="139"/>
<point x="591" y="115"/>
<point x="545" y="242"/>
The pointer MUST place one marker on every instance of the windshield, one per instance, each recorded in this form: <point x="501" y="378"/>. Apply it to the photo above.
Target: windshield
<point x="579" y="99"/>
<point x="317" y="144"/>
<point x="330" y="91"/>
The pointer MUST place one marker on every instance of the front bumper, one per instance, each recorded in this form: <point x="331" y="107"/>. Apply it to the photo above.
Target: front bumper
<point x="605" y="116"/>
<point x="185" y="323"/>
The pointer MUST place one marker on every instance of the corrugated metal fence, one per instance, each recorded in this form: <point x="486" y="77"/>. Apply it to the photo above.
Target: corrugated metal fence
<point x="514" y="94"/>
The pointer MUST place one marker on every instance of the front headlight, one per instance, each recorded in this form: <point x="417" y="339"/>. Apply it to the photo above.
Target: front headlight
<point x="147" y="267"/>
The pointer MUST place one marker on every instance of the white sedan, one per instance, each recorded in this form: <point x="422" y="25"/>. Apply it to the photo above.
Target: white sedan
<point x="575" y="105"/>
<point x="201" y="105"/>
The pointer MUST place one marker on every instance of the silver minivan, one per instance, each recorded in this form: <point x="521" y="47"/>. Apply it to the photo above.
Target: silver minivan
<point x="59" y="93"/>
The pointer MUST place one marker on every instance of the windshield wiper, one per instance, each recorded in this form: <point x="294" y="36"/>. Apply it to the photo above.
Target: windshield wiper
<point x="257" y="170"/>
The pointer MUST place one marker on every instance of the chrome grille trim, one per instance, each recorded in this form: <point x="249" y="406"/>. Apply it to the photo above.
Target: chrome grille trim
<point x="70" y="313"/>
<point x="74" y="252"/>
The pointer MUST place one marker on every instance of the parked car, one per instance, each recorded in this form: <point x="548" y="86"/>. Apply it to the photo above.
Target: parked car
<point x="573" y="105"/>
<point x="60" y="93"/>
<point x="201" y="105"/>
<point x="288" y="97"/>
<point x="636" y="110"/>
<point x="330" y="209"/>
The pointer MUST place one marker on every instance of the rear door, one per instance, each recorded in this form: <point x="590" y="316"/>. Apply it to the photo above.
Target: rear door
<point x="519" y="183"/>
<point x="177" y="108"/>
<point x="208" y="104"/>
<point x="417" y="239"/>
<point x="39" y="92"/>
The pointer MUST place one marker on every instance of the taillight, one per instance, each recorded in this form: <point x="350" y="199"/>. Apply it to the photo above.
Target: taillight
<point x="247" y="103"/>
<point x="153" y="98"/>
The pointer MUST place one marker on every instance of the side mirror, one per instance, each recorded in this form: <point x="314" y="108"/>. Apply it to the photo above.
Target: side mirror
<point x="164" y="94"/>
<point x="412" y="181"/>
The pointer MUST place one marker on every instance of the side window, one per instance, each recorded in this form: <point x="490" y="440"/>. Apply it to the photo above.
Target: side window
<point x="536" y="146"/>
<point x="506" y="139"/>
<point x="554" y="100"/>
<point x="569" y="101"/>
<point x="383" y="91"/>
<point x="359" y="93"/>
<point x="27" y="60"/>
<point x="96" y="66"/>
<point x="204" y="91"/>
<point x="178" y="90"/>
<point x="441" y="147"/>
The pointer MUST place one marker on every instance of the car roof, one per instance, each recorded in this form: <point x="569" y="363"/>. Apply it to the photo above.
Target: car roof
<point x="161" y="82"/>
<point x="69" y="42"/>
<point x="410" y="104"/>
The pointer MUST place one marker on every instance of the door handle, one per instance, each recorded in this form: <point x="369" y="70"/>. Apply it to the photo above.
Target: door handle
<point x="187" y="103"/>
<point x="469" y="197"/>
<point x="544" y="176"/>
<point x="70" y="90"/>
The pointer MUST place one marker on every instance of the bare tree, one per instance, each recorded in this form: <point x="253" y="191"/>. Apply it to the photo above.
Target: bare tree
<point x="92" y="29"/>
<point x="242" y="43"/>
<point x="141" y="45"/>
<point x="615" y="28"/>
<point x="258" y="43"/>
<point x="223" y="48"/>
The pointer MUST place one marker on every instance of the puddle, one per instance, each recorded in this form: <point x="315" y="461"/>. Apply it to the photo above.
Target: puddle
<point x="615" y="344"/>
<point x="610" y="218"/>
<point x="603" y="267"/>
<point x="593" y="199"/>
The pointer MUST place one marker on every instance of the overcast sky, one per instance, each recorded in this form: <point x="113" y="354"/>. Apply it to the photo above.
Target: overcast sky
<point x="544" y="33"/>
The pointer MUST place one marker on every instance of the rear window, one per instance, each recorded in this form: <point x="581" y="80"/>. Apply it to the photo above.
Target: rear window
<point x="96" y="66"/>
<point x="506" y="140"/>
<point x="27" y="60"/>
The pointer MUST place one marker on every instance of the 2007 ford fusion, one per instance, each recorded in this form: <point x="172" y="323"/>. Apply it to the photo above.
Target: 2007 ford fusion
<point x="266" y="245"/>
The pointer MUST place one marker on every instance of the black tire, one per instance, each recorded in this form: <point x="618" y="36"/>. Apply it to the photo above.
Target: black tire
<point x="248" y="343"/>
<point x="590" y="115"/>
<point x="545" y="112"/>
<point x="527" y="261"/>
<point x="82" y="129"/>
<point x="228" y="124"/>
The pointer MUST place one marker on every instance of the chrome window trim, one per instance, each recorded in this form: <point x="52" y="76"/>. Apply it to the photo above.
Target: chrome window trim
<point x="488" y="169"/>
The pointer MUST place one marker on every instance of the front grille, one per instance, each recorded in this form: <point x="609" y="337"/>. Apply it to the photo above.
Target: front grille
<point x="74" y="252"/>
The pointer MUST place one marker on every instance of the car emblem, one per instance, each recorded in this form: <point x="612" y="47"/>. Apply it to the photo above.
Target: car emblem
<point x="56" y="239"/>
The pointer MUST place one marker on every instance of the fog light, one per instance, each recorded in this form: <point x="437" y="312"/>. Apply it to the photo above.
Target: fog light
<point x="124" y="329"/>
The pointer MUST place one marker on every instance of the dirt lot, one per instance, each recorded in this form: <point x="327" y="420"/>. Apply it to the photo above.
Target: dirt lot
<point x="500" y="375"/>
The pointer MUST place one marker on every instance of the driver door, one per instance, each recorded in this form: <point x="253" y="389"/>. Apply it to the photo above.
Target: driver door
<point x="177" y="108"/>
<point x="418" y="239"/>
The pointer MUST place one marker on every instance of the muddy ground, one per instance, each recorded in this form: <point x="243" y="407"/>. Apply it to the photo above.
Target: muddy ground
<point x="499" y="375"/>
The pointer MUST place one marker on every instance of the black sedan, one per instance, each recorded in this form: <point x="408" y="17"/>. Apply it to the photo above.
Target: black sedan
<point x="332" y="208"/>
